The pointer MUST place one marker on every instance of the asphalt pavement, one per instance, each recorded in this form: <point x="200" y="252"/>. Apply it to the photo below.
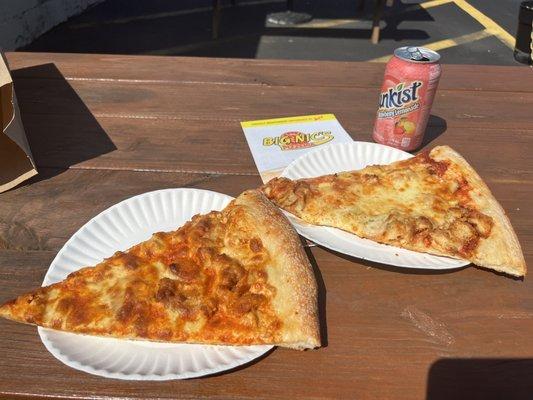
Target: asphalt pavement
<point x="463" y="31"/>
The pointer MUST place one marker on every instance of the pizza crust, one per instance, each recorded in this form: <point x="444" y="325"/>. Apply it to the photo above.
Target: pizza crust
<point x="292" y="274"/>
<point x="501" y="250"/>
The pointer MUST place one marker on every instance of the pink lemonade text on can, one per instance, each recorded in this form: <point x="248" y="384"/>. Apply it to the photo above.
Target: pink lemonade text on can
<point x="409" y="86"/>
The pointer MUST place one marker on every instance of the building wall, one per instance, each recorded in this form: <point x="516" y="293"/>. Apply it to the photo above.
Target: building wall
<point x="21" y="21"/>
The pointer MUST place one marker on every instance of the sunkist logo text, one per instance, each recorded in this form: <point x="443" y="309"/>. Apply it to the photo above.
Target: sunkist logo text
<point x="400" y="99"/>
<point x="298" y="140"/>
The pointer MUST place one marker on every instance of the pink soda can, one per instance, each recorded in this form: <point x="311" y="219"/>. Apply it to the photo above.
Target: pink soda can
<point x="409" y="86"/>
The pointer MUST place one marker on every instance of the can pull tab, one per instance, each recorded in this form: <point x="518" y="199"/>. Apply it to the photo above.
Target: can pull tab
<point x="416" y="55"/>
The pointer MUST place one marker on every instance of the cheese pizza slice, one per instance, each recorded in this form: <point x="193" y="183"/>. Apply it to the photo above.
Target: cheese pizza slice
<point x="235" y="277"/>
<point x="434" y="202"/>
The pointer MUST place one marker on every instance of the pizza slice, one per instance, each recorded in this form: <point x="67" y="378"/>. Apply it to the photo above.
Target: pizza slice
<point x="434" y="202"/>
<point x="235" y="277"/>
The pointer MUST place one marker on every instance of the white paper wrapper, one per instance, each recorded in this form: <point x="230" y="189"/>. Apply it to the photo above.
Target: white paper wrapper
<point x="275" y="143"/>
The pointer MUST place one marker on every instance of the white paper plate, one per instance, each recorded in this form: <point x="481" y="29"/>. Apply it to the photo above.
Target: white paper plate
<point x="118" y="228"/>
<point x="346" y="157"/>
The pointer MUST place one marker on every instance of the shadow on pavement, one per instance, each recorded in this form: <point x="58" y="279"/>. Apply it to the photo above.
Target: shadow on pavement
<point x="184" y="28"/>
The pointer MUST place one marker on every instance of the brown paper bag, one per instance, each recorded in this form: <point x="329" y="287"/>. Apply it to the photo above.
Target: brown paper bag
<point x="16" y="161"/>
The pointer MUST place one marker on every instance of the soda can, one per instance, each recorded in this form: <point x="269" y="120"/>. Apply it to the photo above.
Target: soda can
<point x="409" y="86"/>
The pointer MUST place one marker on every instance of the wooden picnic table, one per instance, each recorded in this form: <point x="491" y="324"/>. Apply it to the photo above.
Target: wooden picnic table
<point x="104" y="128"/>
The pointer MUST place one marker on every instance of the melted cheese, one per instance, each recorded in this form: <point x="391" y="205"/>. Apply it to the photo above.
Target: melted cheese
<point x="419" y="204"/>
<point x="207" y="282"/>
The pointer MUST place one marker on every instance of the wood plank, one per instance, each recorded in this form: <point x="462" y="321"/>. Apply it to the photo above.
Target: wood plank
<point x="253" y="72"/>
<point x="126" y="143"/>
<point x="240" y="102"/>
<point x="84" y="141"/>
<point x="389" y="332"/>
<point x="44" y="213"/>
